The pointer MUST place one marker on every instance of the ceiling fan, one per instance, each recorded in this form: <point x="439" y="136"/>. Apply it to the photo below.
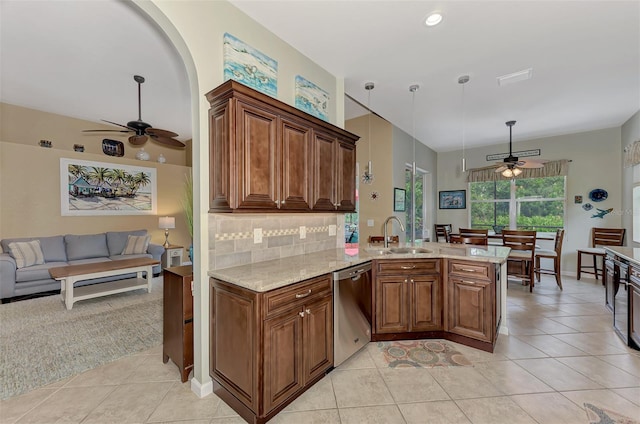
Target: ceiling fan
<point x="511" y="166"/>
<point x="144" y="131"/>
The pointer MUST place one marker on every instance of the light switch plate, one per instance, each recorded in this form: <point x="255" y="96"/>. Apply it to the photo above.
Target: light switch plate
<point x="303" y="232"/>
<point x="332" y="230"/>
<point x="257" y="235"/>
<point x="369" y="222"/>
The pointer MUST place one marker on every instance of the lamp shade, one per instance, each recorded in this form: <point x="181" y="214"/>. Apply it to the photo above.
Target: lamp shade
<point x="167" y="222"/>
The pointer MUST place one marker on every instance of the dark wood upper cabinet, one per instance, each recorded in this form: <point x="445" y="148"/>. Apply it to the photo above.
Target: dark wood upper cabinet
<point x="269" y="156"/>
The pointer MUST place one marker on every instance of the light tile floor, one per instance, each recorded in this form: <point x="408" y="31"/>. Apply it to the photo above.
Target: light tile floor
<point x="561" y="353"/>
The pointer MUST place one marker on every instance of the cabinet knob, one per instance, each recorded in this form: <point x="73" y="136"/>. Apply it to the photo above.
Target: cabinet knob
<point x="406" y="281"/>
<point x="301" y="314"/>
<point x="282" y="202"/>
<point x="308" y="311"/>
<point x="412" y="281"/>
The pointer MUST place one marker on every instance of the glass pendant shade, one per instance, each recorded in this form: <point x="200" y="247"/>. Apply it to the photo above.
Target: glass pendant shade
<point x="511" y="173"/>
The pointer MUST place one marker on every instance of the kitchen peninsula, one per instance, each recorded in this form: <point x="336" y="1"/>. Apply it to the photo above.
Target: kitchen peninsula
<point x="272" y="322"/>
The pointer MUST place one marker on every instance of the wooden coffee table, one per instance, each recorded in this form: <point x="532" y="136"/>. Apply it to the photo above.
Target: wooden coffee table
<point x="70" y="274"/>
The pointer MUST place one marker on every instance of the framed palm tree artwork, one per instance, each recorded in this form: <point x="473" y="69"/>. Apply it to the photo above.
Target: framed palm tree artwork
<point x="90" y="188"/>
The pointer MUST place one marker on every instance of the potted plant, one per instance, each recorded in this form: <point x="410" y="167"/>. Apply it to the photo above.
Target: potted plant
<point x="187" y="206"/>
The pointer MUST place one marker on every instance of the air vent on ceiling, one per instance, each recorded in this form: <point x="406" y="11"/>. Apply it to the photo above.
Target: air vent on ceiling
<point x="515" y="77"/>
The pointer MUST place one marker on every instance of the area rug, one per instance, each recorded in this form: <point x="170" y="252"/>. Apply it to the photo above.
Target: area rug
<point x="42" y="342"/>
<point x="597" y="415"/>
<point x="421" y="354"/>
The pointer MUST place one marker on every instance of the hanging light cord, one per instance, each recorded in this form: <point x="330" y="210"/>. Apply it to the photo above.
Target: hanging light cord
<point x="369" y="88"/>
<point x="413" y="90"/>
<point x="463" y="80"/>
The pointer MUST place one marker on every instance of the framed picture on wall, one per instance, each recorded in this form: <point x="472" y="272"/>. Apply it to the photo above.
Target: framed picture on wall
<point x="399" y="200"/>
<point x="454" y="199"/>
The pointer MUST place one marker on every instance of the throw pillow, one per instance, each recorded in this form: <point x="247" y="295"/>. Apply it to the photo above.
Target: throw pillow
<point x="136" y="245"/>
<point x="26" y="253"/>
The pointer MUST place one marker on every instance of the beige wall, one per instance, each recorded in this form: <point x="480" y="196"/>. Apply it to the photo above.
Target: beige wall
<point x="28" y="126"/>
<point x="30" y="196"/>
<point x="595" y="163"/>
<point x="381" y="157"/>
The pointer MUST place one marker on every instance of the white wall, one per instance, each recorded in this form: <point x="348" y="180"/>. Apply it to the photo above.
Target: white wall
<point x="196" y="29"/>
<point x="630" y="133"/>
<point x="595" y="163"/>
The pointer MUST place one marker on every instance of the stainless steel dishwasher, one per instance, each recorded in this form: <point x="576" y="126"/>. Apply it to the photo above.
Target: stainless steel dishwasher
<point x="351" y="311"/>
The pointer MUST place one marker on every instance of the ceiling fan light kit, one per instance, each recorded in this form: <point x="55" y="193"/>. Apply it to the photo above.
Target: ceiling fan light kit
<point x="143" y="131"/>
<point x="511" y="165"/>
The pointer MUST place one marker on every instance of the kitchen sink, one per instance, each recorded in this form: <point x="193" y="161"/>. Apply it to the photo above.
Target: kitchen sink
<point x="410" y="250"/>
<point x="378" y="251"/>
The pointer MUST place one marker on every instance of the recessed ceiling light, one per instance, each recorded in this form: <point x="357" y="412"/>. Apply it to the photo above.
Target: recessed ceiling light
<point x="433" y="19"/>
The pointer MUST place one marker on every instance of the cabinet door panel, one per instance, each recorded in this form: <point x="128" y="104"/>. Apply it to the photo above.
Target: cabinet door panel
<point x="318" y="338"/>
<point x="221" y="167"/>
<point x="282" y="358"/>
<point x="392" y="308"/>
<point x="324" y="172"/>
<point x="346" y="177"/>
<point x="426" y="308"/>
<point x="470" y="309"/>
<point x="256" y="144"/>
<point x="295" y="166"/>
<point x="234" y="343"/>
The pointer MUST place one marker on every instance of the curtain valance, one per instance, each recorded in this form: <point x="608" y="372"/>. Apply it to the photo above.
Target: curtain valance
<point x="632" y="154"/>
<point x="554" y="168"/>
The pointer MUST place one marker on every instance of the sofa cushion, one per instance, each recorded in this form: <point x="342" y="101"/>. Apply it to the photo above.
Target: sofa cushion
<point x="117" y="240"/>
<point x="36" y="272"/>
<point x="136" y="245"/>
<point x="26" y="253"/>
<point x="52" y="247"/>
<point x="86" y="246"/>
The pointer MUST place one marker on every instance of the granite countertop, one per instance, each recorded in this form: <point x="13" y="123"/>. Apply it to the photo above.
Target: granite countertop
<point x="269" y="275"/>
<point x="632" y="254"/>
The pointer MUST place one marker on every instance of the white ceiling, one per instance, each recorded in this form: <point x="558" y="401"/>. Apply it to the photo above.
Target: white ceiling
<point x="78" y="58"/>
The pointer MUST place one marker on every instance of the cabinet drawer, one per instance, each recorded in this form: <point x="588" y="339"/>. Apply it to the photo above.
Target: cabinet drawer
<point x="404" y="266"/>
<point x="470" y="270"/>
<point x="296" y="295"/>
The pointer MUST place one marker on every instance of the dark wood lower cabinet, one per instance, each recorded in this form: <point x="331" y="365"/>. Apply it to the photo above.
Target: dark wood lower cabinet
<point x="177" y="326"/>
<point x="413" y="299"/>
<point x="268" y="348"/>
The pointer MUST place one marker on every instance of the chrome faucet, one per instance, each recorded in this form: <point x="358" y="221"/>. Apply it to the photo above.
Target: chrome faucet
<point x="386" y="237"/>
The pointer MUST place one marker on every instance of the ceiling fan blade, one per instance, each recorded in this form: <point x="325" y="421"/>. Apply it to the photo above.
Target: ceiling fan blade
<point x="501" y="168"/>
<point x="122" y="131"/>
<point x="531" y="164"/>
<point x="119" y="125"/>
<point x="167" y="141"/>
<point x="160" y="133"/>
<point x="137" y="140"/>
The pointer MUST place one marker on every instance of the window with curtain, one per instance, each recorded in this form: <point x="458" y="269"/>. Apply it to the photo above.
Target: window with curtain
<point x="522" y="203"/>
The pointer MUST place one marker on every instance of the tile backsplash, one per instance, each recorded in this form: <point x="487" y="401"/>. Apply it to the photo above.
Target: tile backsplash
<point x="231" y="237"/>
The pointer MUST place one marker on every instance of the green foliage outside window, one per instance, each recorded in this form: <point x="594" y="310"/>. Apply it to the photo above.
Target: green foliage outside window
<point x="539" y="203"/>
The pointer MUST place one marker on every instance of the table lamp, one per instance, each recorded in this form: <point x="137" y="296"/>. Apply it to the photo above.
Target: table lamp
<point x="166" y="223"/>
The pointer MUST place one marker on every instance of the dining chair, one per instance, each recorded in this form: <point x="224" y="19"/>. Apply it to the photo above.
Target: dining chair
<point x="555" y="255"/>
<point x="461" y="239"/>
<point x="442" y="230"/>
<point x="380" y="239"/>
<point x="475" y="232"/>
<point x="599" y="237"/>
<point x="523" y="245"/>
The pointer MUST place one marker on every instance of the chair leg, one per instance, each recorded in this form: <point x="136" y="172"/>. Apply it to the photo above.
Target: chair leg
<point x="595" y="266"/>
<point x="532" y="280"/>
<point x="537" y="268"/>
<point x="556" y="267"/>
<point x="579" y="264"/>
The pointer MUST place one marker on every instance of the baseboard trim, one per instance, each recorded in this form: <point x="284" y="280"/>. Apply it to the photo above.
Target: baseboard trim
<point x="201" y="390"/>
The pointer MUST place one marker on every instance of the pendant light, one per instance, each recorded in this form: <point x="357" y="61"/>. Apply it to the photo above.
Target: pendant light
<point x="367" y="176"/>
<point x="413" y="89"/>
<point x="463" y="80"/>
